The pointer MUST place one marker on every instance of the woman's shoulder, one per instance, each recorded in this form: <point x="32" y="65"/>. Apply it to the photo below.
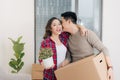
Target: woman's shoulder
<point x="46" y="40"/>
<point x="65" y="34"/>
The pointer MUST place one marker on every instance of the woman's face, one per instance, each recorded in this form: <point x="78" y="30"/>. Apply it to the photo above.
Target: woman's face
<point x="56" y="27"/>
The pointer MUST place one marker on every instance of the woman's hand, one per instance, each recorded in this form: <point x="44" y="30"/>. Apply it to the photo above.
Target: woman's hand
<point x="83" y="31"/>
<point x="47" y="67"/>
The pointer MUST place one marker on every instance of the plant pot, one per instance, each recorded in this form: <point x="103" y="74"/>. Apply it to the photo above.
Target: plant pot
<point x="48" y="62"/>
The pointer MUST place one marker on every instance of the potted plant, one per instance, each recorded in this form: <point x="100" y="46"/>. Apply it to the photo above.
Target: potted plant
<point x="45" y="55"/>
<point x="17" y="63"/>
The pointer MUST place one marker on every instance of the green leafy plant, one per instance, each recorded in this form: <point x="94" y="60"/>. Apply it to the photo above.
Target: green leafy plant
<point x="18" y="48"/>
<point x="45" y="53"/>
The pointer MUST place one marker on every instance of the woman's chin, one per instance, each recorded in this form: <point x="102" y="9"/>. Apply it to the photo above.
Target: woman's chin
<point x="59" y="33"/>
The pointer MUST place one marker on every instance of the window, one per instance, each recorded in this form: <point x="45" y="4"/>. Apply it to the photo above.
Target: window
<point x="88" y="12"/>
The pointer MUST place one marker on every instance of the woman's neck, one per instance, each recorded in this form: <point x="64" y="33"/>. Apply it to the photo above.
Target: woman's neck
<point x="56" y="39"/>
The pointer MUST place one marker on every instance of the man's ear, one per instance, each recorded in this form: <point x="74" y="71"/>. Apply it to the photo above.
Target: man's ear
<point x="69" y="21"/>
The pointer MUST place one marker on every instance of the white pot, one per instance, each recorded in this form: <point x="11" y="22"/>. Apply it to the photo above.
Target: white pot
<point x="48" y="62"/>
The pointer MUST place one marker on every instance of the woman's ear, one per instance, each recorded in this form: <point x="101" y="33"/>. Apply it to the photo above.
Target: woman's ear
<point x="50" y="29"/>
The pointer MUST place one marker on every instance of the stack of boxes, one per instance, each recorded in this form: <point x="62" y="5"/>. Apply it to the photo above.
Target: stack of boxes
<point x="37" y="72"/>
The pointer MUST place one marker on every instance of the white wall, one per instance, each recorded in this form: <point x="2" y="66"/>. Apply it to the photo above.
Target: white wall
<point x="111" y="32"/>
<point x="16" y="19"/>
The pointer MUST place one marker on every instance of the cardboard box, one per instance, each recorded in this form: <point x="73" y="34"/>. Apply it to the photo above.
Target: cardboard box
<point x="90" y="68"/>
<point x="37" y="72"/>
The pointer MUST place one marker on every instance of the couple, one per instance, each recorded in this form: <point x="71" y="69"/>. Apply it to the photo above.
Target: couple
<point x="71" y="45"/>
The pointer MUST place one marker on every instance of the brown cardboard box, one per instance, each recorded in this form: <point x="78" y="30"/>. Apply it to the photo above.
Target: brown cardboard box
<point x="90" y="68"/>
<point x="37" y="72"/>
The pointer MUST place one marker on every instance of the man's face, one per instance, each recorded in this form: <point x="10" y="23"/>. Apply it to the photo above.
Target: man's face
<point x="65" y="24"/>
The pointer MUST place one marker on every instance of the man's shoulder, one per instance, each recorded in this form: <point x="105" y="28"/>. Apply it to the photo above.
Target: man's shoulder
<point x="92" y="35"/>
<point x="90" y="32"/>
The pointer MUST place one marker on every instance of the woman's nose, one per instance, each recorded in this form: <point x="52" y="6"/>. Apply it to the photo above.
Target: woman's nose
<point x="59" y="26"/>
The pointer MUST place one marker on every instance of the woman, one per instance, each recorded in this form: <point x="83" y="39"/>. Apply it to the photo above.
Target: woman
<point x="57" y="40"/>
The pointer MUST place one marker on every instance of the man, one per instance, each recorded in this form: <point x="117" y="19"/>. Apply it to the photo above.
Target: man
<point x="83" y="46"/>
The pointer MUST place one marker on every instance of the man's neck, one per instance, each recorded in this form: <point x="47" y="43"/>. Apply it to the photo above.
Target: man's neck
<point x="74" y="29"/>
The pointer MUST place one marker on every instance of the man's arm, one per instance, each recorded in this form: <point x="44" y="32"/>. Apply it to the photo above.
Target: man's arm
<point x="96" y="43"/>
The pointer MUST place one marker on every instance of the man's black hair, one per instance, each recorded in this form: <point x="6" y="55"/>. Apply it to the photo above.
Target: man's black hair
<point x="70" y="15"/>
